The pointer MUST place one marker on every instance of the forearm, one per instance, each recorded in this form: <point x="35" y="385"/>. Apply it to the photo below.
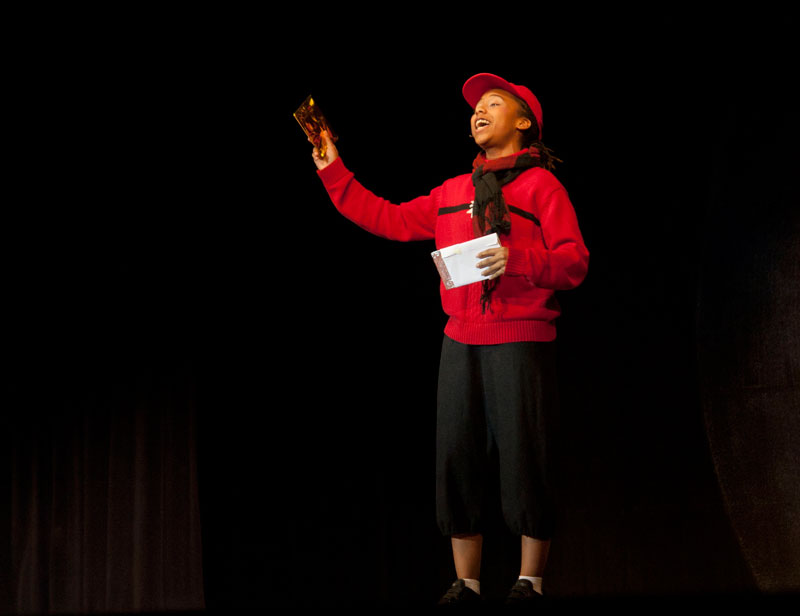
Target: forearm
<point x="414" y="220"/>
<point x="561" y="268"/>
<point x="557" y="258"/>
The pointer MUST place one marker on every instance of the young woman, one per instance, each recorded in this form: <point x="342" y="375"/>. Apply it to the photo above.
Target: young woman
<point x="497" y="396"/>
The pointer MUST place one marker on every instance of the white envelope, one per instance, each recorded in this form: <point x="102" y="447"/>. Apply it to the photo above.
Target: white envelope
<point x="457" y="263"/>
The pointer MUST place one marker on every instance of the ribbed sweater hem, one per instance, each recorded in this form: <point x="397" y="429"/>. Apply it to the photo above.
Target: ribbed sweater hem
<point x="500" y="332"/>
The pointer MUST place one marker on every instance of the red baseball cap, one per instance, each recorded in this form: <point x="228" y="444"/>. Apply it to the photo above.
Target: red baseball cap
<point x="478" y="84"/>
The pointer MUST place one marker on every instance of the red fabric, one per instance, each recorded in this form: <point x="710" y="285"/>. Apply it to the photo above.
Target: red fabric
<point x="490" y="165"/>
<point x="541" y="259"/>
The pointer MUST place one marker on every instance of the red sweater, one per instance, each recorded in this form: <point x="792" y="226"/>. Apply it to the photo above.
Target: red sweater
<point x="546" y="251"/>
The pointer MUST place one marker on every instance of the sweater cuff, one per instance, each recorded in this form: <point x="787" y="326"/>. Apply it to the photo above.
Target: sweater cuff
<point x="333" y="172"/>
<point x="525" y="262"/>
<point x="516" y="263"/>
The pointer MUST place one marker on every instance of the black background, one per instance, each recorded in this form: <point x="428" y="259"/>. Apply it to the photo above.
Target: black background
<point x="171" y="220"/>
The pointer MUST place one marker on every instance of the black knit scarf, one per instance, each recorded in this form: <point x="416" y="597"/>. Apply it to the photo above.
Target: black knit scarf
<point x="489" y="210"/>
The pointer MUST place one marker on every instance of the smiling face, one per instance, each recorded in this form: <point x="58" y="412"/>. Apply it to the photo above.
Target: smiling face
<point x="497" y="123"/>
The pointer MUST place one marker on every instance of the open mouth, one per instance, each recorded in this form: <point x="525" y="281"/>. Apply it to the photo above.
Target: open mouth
<point x="481" y="123"/>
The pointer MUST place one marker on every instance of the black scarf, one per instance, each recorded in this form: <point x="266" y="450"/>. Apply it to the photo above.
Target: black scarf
<point x="489" y="210"/>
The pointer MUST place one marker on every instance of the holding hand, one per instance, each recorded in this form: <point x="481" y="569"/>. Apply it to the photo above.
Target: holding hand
<point x="331" y="153"/>
<point x="494" y="261"/>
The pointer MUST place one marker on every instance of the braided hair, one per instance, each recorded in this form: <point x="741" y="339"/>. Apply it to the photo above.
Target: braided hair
<point x="531" y="136"/>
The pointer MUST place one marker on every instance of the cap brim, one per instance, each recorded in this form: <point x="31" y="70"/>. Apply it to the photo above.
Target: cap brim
<point x="477" y="85"/>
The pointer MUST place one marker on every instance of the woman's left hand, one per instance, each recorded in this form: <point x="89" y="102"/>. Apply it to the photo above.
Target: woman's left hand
<point x="494" y="261"/>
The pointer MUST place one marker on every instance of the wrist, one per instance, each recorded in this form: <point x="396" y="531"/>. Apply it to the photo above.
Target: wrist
<point x="515" y="262"/>
<point x="332" y="171"/>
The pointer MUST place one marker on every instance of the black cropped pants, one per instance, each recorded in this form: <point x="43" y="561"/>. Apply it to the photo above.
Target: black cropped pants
<point x="496" y="422"/>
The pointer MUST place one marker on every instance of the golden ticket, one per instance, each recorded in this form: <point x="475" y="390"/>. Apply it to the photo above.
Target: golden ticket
<point x="311" y="120"/>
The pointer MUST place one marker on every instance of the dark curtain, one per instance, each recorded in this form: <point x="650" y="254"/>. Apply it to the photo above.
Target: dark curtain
<point x="100" y="501"/>
<point x="104" y="513"/>
<point x="748" y="331"/>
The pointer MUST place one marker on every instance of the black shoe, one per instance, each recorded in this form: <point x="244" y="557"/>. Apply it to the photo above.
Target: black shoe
<point x="459" y="594"/>
<point x="523" y="594"/>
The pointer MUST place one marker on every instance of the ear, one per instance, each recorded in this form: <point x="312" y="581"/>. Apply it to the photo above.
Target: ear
<point x="523" y="123"/>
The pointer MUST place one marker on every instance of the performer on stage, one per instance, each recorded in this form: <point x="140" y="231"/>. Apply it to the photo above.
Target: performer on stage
<point x="497" y="402"/>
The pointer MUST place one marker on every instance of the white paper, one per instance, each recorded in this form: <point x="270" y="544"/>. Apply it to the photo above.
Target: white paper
<point x="457" y="263"/>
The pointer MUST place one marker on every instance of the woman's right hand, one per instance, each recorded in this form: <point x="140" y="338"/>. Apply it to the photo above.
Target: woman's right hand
<point x="331" y="153"/>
